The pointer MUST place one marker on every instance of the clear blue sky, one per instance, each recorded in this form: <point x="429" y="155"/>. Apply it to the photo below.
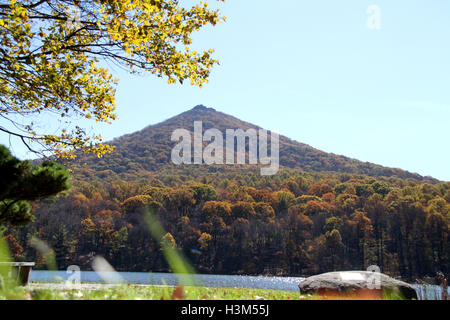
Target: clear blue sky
<point x="316" y="73"/>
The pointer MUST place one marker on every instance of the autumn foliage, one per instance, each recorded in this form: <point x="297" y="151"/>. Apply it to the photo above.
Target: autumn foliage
<point x="248" y="224"/>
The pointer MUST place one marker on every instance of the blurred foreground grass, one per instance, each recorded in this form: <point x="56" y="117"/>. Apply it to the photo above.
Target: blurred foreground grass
<point x="46" y="291"/>
<point x="36" y="291"/>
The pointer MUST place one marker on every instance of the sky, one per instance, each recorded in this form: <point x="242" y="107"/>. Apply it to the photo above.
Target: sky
<point x="319" y="73"/>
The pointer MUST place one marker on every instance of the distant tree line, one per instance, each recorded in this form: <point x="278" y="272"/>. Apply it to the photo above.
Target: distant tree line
<point x="295" y="223"/>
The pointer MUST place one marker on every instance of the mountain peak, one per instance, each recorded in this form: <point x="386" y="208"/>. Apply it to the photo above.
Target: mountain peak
<point x="201" y="107"/>
<point x="149" y="150"/>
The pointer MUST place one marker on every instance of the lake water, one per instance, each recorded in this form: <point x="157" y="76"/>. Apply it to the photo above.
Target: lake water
<point x="428" y="292"/>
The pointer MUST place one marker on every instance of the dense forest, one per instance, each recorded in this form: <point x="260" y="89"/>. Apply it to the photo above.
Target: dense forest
<point x="235" y="221"/>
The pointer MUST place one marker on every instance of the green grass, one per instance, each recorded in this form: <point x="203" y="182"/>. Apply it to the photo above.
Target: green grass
<point x="42" y="291"/>
<point x="141" y="292"/>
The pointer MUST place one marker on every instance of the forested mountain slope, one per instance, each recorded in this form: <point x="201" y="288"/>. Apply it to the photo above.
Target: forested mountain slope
<point x="142" y="153"/>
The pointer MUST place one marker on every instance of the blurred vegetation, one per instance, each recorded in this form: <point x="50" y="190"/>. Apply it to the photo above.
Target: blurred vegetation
<point x="139" y="292"/>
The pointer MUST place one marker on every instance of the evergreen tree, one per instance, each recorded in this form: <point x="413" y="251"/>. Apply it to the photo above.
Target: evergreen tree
<point x="22" y="182"/>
